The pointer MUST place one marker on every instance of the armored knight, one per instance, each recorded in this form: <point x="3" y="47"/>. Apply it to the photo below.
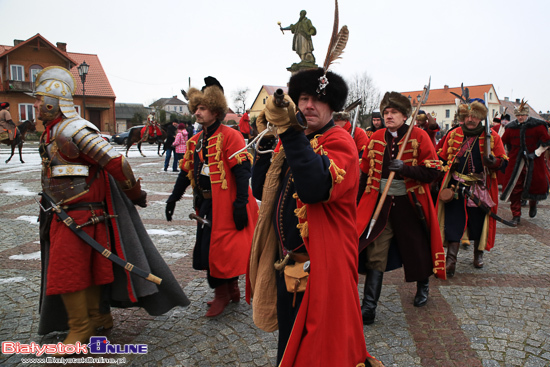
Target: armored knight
<point x="89" y="181"/>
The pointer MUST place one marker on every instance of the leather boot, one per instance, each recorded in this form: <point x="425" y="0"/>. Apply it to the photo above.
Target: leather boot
<point x="452" y="252"/>
<point x="532" y="208"/>
<point x="99" y="320"/>
<point x="371" y="294"/>
<point x="234" y="291"/>
<point x="80" y="327"/>
<point x="478" y="256"/>
<point x="422" y="291"/>
<point x="221" y="300"/>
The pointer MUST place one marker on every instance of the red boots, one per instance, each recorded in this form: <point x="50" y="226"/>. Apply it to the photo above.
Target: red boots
<point x="221" y="300"/>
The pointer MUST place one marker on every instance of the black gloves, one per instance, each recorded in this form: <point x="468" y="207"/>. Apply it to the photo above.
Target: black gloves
<point x="530" y="156"/>
<point x="396" y="166"/>
<point x="170" y="207"/>
<point x="240" y="217"/>
<point x="490" y="161"/>
<point x="142" y="200"/>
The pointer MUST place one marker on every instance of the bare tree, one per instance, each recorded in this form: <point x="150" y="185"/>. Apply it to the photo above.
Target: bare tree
<point x="239" y="98"/>
<point x="362" y="86"/>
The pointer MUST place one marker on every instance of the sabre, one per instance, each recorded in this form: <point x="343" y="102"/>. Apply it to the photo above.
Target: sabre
<point x="487" y="129"/>
<point x="355" y="105"/>
<point x="424" y="99"/>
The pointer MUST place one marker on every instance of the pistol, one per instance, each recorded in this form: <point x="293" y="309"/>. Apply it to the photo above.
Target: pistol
<point x="279" y="98"/>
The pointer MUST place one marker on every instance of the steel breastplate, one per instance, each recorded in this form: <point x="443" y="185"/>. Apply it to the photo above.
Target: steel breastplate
<point x="61" y="179"/>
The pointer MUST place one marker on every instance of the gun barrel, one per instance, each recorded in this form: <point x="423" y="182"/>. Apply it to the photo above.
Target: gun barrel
<point x="279" y="97"/>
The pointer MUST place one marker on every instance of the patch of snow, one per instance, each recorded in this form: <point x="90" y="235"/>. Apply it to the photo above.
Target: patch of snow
<point x="33" y="256"/>
<point x="29" y="218"/>
<point x="13" y="188"/>
<point x="162" y="232"/>
<point x="175" y="255"/>
<point x="12" y="280"/>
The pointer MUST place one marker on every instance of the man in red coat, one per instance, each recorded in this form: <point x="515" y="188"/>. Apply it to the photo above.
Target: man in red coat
<point x="406" y="232"/>
<point x="468" y="168"/>
<point x="220" y="180"/>
<point x="244" y="125"/>
<point x="426" y="122"/>
<point x="527" y="174"/>
<point x="308" y="212"/>
<point x="359" y="136"/>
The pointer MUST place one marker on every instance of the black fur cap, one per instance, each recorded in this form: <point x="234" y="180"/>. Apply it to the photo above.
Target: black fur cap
<point x="307" y="81"/>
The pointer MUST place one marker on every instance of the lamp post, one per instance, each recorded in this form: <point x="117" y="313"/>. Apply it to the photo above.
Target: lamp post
<point x="83" y="71"/>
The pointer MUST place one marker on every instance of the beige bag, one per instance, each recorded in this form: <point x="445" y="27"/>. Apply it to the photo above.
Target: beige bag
<point x="295" y="279"/>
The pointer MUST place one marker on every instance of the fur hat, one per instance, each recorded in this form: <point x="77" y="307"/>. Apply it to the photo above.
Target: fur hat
<point x="522" y="109"/>
<point x="211" y="96"/>
<point x="421" y="116"/>
<point x="307" y="81"/>
<point x="376" y="115"/>
<point x="505" y="117"/>
<point x="4" y="105"/>
<point x="475" y="109"/>
<point x="496" y="119"/>
<point x="341" y="116"/>
<point x="398" y="101"/>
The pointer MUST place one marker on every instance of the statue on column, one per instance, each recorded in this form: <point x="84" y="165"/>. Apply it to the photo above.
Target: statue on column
<point x="302" y="44"/>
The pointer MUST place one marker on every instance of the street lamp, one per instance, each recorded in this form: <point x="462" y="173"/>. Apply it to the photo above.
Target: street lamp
<point x="83" y="71"/>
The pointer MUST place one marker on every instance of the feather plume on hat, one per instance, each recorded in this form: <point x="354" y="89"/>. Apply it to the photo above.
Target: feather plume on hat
<point x="474" y="107"/>
<point x="338" y="42"/>
<point x="522" y="109"/>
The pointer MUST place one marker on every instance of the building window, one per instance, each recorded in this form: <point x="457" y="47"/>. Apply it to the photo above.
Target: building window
<point x="181" y="109"/>
<point x="175" y="108"/>
<point x="490" y="96"/>
<point x="17" y="73"/>
<point x="77" y="108"/>
<point x="34" y="70"/>
<point x="26" y="111"/>
<point x="447" y="113"/>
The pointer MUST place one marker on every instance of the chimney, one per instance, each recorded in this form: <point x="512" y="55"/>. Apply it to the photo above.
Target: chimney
<point x="62" y="46"/>
<point x="517" y="100"/>
<point x="16" y="42"/>
<point x="176" y="97"/>
<point x="506" y="99"/>
<point x="445" y="87"/>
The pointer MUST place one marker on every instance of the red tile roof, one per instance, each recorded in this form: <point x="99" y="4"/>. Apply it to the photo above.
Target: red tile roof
<point x="443" y="96"/>
<point x="97" y="83"/>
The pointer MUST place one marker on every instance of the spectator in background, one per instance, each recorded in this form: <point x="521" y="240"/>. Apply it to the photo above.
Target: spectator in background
<point x="244" y="125"/>
<point x="171" y="130"/>
<point x="180" y="145"/>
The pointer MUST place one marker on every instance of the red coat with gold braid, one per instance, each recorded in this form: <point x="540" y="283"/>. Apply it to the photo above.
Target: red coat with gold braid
<point x="360" y="138"/>
<point x="448" y="152"/>
<point x="229" y="247"/>
<point x="412" y="156"/>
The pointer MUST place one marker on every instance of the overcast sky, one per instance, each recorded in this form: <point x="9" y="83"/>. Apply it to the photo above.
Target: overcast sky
<point x="150" y="49"/>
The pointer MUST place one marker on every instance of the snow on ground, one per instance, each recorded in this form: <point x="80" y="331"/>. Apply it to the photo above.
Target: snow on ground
<point x="32" y="256"/>
<point x="12" y="280"/>
<point x="162" y="232"/>
<point x="174" y="255"/>
<point x="14" y="188"/>
<point x="28" y="218"/>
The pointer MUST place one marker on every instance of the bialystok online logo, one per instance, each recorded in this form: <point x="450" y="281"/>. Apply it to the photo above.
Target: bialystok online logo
<point x="97" y="345"/>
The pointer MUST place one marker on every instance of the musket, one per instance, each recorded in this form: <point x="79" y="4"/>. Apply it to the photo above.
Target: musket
<point x="200" y="220"/>
<point x="355" y="105"/>
<point x="69" y="222"/>
<point x="485" y="208"/>
<point x="423" y="99"/>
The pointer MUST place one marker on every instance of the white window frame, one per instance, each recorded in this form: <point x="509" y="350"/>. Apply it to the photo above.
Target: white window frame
<point x="18" y="67"/>
<point x="29" y="110"/>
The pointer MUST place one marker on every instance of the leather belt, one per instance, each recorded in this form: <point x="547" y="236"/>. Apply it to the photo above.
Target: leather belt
<point x="299" y="257"/>
<point x="84" y="206"/>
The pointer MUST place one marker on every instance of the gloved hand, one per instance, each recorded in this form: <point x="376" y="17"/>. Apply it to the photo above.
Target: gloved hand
<point x="489" y="162"/>
<point x="279" y="116"/>
<point x="170" y="207"/>
<point x="530" y="156"/>
<point x="396" y="166"/>
<point x="240" y="217"/>
<point x="261" y="124"/>
<point x="141" y="200"/>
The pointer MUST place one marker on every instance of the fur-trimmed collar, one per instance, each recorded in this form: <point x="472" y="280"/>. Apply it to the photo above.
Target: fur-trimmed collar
<point x="531" y="122"/>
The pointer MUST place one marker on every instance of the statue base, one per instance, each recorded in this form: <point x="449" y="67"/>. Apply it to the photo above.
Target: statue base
<point x="303" y="65"/>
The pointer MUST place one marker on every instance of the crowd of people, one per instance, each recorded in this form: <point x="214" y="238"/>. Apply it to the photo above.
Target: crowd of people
<point x="336" y="201"/>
